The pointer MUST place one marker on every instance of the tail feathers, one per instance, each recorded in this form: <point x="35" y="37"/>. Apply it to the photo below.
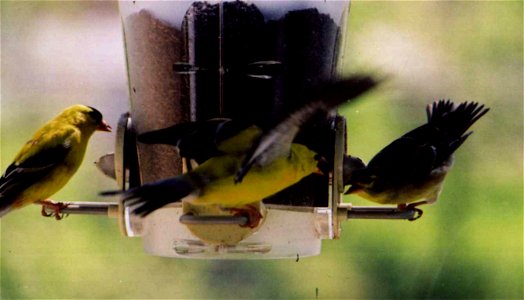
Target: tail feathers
<point x="455" y="121"/>
<point x="145" y="199"/>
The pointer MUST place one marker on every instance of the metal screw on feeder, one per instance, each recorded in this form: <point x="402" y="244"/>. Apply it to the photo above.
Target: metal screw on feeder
<point x="251" y="61"/>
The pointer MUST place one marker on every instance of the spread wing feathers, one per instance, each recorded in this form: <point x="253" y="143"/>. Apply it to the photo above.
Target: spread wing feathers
<point x="196" y="140"/>
<point x="443" y="114"/>
<point x="277" y="141"/>
<point x="447" y="126"/>
<point x="29" y="168"/>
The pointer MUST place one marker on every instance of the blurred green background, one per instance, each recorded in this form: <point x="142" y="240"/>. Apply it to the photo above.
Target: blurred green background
<point x="467" y="245"/>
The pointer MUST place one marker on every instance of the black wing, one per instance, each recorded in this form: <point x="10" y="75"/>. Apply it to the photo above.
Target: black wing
<point x="195" y="140"/>
<point x="19" y="177"/>
<point x="447" y="126"/>
<point x="277" y="141"/>
<point x="404" y="158"/>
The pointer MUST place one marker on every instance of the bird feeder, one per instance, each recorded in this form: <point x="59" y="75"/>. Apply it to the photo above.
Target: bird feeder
<point x="253" y="61"/>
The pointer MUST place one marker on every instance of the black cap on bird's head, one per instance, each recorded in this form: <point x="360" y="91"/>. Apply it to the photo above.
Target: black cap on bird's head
<point x="102" y="125"/>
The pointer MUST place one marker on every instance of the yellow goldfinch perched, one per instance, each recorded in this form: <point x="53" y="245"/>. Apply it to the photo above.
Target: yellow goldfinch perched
<point x="411" y="170"/>
<point x="247" y="166"/>
<point x="48" y="160"/>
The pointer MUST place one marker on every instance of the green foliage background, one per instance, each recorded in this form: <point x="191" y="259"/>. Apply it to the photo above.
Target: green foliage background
<point x="468" y="245"/>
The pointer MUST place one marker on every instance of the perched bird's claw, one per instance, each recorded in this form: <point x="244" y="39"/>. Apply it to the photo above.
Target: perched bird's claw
<point x="412" y="206"/>
<point x="418" y="214"/>
<point x="56" y="207"/>
<point x="252" y="213"/>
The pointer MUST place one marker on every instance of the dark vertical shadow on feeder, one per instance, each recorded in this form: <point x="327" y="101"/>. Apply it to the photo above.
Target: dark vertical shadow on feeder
<point x="221" y="41"/>
<point x="152" y="48"/>
<point x="201" y="52"/>
<point x="305" y="41"/>
<point x="247" y="95"/>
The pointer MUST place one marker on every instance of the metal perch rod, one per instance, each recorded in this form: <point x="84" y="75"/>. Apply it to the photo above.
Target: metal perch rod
<point x="363" y="212"/>
<point x="89" y="208"/>
<point x="373" y="212"/>
<point x="234" y="220"/>
<point x="358" y="212"/>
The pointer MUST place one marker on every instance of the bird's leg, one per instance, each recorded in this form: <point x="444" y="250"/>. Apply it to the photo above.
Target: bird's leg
<point x="56" y="207"/>
<point x="413" y="206"/>
<point x="253" y="215"/>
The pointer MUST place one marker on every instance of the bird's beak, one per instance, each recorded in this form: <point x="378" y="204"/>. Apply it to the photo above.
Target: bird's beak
<point x="103" y="126"/>
<point x="322" y="165"/>
<point x="319" y="172"/>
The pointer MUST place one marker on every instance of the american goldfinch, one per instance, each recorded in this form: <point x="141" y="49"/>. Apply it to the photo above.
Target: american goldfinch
<point x="212" y="182"/>
<point x="411" y="170"/>
<point x="246" y="166"/>
<point x="49" y="159"/>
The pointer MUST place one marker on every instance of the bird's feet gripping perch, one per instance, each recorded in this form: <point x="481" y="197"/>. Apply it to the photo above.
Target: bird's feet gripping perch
<point x="412" y="206"/>
<point x="251" y="212"/>
<point x="56" y="207"/>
